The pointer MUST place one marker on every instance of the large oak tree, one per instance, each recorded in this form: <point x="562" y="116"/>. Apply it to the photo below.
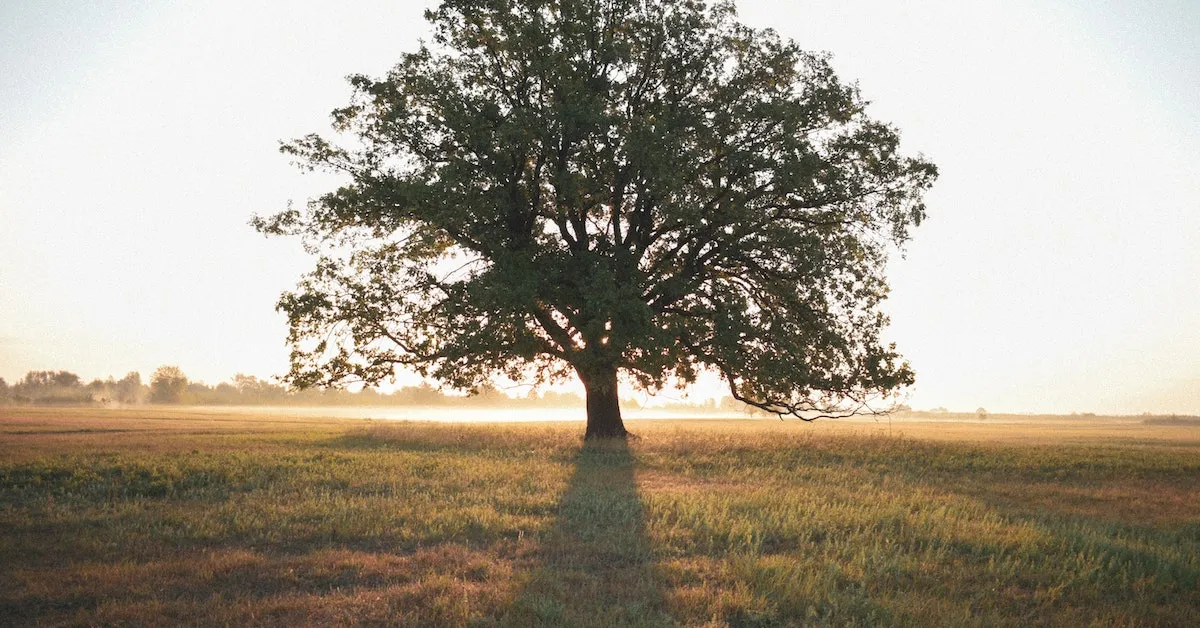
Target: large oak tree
<point x="602" y="188"/>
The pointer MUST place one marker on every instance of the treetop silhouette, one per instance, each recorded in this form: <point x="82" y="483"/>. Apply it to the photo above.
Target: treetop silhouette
<point x="595" y="188"/>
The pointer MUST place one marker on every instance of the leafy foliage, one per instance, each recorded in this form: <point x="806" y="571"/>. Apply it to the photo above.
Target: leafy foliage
<point x="168" y="385"/>
<point x="653" y="188"/>
<point x="49" y="379"/>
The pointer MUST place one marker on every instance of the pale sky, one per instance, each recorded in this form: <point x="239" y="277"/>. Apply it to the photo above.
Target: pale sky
<point x="1059" y="269"/>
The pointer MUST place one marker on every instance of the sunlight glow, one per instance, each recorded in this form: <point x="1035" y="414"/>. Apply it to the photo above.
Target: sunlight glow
<point x="1057" y="271"/>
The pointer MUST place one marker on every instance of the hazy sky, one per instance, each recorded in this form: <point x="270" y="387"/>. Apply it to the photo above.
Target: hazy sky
<point x="1059" y="269"/>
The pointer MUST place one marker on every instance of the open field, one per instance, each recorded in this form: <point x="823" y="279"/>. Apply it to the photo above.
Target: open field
<point x="152" y="516"/>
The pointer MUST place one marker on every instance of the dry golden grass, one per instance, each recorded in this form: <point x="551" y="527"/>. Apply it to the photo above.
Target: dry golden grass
<point x="189" y="516"/>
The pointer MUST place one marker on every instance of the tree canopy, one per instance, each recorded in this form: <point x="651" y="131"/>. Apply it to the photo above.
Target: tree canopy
<point x="167" y="385"/>
<point x="551" y="188"/>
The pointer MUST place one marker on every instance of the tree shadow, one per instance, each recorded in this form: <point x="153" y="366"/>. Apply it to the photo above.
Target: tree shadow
<point x="596" y="566"/>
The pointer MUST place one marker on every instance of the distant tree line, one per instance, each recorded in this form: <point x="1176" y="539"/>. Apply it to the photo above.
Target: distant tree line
<point x="170" y="385"/>
<point x="66" y="388"/>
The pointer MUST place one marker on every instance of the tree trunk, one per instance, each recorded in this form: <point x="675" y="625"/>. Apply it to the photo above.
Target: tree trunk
<point x="603" y="405"/>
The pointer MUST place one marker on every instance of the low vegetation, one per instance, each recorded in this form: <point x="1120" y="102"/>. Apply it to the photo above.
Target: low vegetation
<point x="177" y="517"/>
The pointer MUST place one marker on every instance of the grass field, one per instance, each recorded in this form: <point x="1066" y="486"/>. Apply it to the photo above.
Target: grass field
<point x="162" y="517"/>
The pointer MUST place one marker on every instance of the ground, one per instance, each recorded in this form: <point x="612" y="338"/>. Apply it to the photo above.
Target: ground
<point x="152" y="516"/>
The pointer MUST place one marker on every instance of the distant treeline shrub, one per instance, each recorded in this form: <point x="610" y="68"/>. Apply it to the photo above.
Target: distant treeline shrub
<point x="66" y="388"/>
<point x="170" y="385"/>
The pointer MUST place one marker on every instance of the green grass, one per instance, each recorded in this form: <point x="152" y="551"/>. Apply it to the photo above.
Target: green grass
<point x="145" y="518"/>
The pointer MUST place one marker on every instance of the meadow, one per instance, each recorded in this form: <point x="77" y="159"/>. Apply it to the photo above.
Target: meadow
<point x="181" y="517"/>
